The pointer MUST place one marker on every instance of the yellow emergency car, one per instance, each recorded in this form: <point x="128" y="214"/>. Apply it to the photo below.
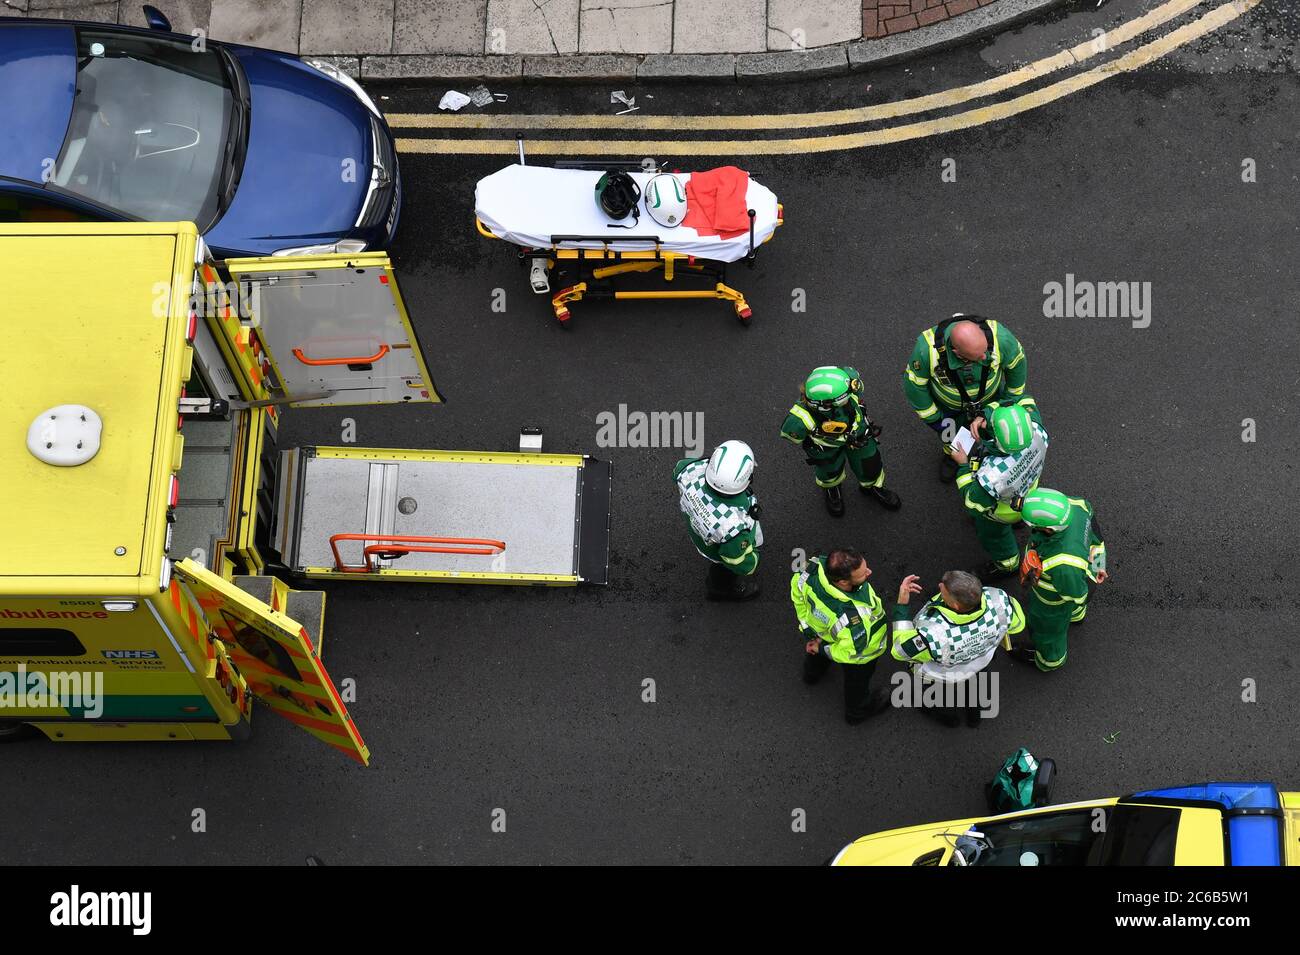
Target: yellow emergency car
<point x="150" y="525"/>
<point x="1214" y="824"/>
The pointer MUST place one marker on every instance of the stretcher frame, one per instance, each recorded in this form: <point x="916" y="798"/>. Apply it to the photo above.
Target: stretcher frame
<point x="586" y="272"/>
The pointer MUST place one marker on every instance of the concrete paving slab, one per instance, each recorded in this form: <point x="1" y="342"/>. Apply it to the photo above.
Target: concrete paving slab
<point x="345" y="26"/>
<point x="439" y="26"/>
<point x="720" y="26"/>
<point x="797" y="24"/>
<point x="268" y="23"/>
<point x="532" y="26"/>
<point x="104" y="12"/>
<point x="626" y="26"/>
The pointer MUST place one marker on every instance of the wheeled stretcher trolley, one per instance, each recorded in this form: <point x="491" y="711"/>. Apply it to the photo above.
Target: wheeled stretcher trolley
<point x="568" y="243"/>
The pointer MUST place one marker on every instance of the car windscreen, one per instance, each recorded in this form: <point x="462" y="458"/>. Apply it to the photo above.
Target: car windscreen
<point x="1054" y="838"/>
<point x="149" y="126"/>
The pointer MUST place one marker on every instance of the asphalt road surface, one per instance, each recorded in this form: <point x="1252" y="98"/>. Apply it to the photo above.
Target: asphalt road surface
<point x="530" y="700"/>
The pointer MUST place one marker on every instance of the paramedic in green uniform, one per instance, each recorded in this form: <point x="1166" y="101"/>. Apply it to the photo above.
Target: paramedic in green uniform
<point x="1000" y="470"/>
<point x="828" y="423"/>
<point x="1066" y="552"/>
<point x="721" y="513"/>
<point x="957" y="368"/>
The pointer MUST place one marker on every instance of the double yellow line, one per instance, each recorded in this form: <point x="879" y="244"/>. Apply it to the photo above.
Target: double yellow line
<point x="1078" y="54"/>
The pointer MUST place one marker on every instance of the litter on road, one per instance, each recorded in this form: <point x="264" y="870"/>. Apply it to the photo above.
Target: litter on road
<point x="453" y="100"/>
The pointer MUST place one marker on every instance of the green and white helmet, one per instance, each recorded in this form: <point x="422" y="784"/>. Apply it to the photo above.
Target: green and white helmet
<point x="1045" y="508"/>
<point x="730" y="467"/>
<point x="665" y="200"/>
<point x="1011" y="428"/>
<point x="827" y="387"/>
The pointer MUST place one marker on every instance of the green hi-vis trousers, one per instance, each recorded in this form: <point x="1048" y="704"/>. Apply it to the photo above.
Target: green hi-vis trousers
<point x="865" y="462"/>
<point x="1048" y="626"/>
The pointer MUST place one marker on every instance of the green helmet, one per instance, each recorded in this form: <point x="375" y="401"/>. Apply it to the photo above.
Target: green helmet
<point x="827" y="387"/>
<point x="1045" y="508"/>
<point x="1011" y="429"/>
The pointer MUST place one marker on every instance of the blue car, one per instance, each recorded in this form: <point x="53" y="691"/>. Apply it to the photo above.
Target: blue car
<point x="267" y="153"/>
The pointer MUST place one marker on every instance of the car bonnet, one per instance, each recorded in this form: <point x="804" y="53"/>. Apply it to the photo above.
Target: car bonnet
<point x="297" y="185"/>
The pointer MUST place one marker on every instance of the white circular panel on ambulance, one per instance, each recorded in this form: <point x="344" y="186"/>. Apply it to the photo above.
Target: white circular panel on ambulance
<point x="65" y="436"/>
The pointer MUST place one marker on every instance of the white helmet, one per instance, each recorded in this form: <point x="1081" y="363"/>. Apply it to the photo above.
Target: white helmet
<point x="665" y="200"/>
<point x="730" y="467"/>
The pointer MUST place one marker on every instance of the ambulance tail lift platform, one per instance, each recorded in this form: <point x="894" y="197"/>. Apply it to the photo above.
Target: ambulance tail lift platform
<point x="151" y="524"/>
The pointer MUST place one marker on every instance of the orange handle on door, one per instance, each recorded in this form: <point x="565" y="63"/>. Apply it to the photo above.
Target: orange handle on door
<point x="383" y="350"/>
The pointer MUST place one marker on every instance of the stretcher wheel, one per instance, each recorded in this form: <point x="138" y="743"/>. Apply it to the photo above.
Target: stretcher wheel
<point x="744" y="314"/>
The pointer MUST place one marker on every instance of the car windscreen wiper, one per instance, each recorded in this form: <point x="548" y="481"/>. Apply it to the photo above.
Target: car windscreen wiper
<point x="236" y="136"/>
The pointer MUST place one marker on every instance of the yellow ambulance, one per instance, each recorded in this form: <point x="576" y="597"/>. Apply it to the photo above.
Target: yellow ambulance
<point x="150" y="525"/>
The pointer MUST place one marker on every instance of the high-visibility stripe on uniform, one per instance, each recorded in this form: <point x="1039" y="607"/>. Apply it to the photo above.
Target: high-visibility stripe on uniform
<point x="1048" y="664"/>
<point x="802" y="414"/>
<point x="737" y="560"/>
<point x="1068" y="560"/>
<point x="1057" y="603"/>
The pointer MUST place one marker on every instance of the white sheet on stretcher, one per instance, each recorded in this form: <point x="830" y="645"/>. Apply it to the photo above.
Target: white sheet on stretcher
<point x="527" y="205"/>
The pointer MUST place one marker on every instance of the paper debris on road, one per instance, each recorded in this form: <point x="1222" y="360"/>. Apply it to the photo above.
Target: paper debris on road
<point x="453" y="100"/>
<point x="620" y="96"/>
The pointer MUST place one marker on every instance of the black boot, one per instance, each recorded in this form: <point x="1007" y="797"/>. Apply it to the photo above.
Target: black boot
<point x="878" y="703"/>
<point x="887" y="498"/>
<point x="834" y="501"/>
<point x="1025" y="655"/>
<point x="992" y="570"/>
<point x="947" y="470"/>
<point x="724" y="585"/>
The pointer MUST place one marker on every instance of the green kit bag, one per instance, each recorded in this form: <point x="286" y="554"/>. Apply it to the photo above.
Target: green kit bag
<point x="1023" y="782"/>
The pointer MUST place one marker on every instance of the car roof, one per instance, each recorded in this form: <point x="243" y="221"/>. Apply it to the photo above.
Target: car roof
<point x="38" y="74"/>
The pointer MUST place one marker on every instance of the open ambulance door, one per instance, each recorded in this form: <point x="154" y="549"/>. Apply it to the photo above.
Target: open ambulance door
<point x="334" y="324"/>
<point x="276" y="657"/>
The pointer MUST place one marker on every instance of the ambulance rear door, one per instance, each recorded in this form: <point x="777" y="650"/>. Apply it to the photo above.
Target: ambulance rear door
<point x="277" y="657"/>
<point x="335" y="328"/>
